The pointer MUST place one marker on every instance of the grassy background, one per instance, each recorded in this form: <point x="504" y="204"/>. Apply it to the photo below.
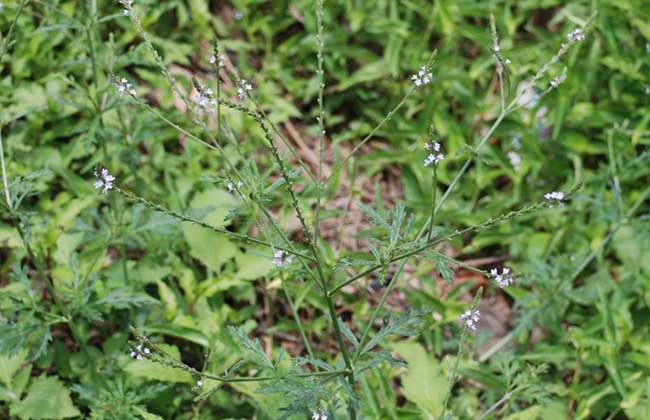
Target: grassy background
<point x="120" y="264"/>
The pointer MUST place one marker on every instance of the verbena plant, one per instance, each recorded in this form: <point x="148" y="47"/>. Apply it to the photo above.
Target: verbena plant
<point x="318" y="383"/>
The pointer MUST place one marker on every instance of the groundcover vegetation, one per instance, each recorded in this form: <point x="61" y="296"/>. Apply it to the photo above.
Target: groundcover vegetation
<point x="368" y="209"/>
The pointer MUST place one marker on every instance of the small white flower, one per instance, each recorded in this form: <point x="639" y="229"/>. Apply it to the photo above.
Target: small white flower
<point x="128" y="5"/>
<point x="433" y="158"/>
<point x="242" y="89"/>
<point x="231" y="186"/>
<point x="139" y="352"/>
<point x="104" y="180"/>
<point x="238" y="15"/>
<point x="504" y="279"/>
<point x="576" y="35"/>
<point x="555" y="197"/>
<point x="556" y="81"/>
<point x="646" y="89"/>
<point x="124" y="86"/>
<point x="497" y="48"/>
<point x="199" y="383"/>
<point x="507" y="61"/>
<point x="220" y="59"/>
<point x="422" y="77"/>
<point x="281" y="258"/>
<point x="319" y="415"/>
<point x="205" y="98"/>
<point x="435" y="146"/>
<point x="527" y="96"/>
<point x="515" y="159"/>
<point x="471" y="317"/>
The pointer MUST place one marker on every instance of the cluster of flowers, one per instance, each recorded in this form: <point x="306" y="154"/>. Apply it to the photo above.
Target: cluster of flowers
<point x="104" y="180"/>
<point x="219" y="60"/>
<point x="504" y="279"/>
<point x="139" y="352"/>
<point x="124" y="86"/>
<point x="128" y="5"/>
<point x="555" y="198"/>
<point x="471" y="317"/>
<point x="205" y="97"/>
<point x="281" y="258"/>
<point x="319" y="415"/>
<point x="576" y="35"/>
<point x="243" y="88"/>
<point x="422" y="77"/>
<point x="434" y="153"/>
<point x="231" y="186"/>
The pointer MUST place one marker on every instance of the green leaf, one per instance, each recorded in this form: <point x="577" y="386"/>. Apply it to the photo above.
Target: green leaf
<point x="254" y="347"/>
<point x="47" y="399"/>
<point x="424" y="383"/>
<point x="251" y="266"/>
<point x="158" y="372"/>
<point x="185" y="333"/>
<point x="9" y="365"/>
<point x="527" y="414"/>
<point x="211" y="248"/>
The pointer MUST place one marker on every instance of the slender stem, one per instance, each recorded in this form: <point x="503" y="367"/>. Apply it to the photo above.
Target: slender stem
<point x="7" y="38"/>
<point x="433" y="201"/>
<point x="583" y="265"/>
<point x="296" y="317"/>
<point x="373" y="317"/>
<point x="451" y="379"/>
<point x="238" y="236"/>
<point x="270" y="378"/>
<point x="436" y="241"/>
<point x="277" y="131"/>
<point x="5" y="183"/>
<point x="370" y="135"/>
<point x="459" y="354"/>
<point x="49" y="285"/>
<point x="344" y="350"/>
<point x="174" y="125"/>
<point x="321" y="117"/>
<point x="496" y="405"/>
<point x="226" y="379"/>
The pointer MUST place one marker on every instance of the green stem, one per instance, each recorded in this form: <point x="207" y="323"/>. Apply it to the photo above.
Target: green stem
<point x="321" y="117"/>
<point x="433" y="201"/>
<point x="496" y="405"/>
<point x="7" y="38"/>
<point x="5" y="183"/>
<point x="429" y="244"/>
<point x="344" y="350"/>
<point x="583" y="265"/>
<point x="296" y="317"/>
<point x="237" y="236"/>
<point x="373" y="317"/>
<point x="370" y="135"/>
<point x="459" y="354"/>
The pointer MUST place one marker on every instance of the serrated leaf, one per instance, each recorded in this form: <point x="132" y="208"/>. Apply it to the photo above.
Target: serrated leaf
<point x="253" y="346"/>
<point x="158" y="372"/>
<point x="347" y="332"/>
<point x="444" y="270"/>
<point x="47" y="398"/>
<point x="424" y="383"/>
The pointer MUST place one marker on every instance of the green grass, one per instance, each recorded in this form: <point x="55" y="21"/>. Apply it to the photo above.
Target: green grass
<point x="79" y="270"/>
